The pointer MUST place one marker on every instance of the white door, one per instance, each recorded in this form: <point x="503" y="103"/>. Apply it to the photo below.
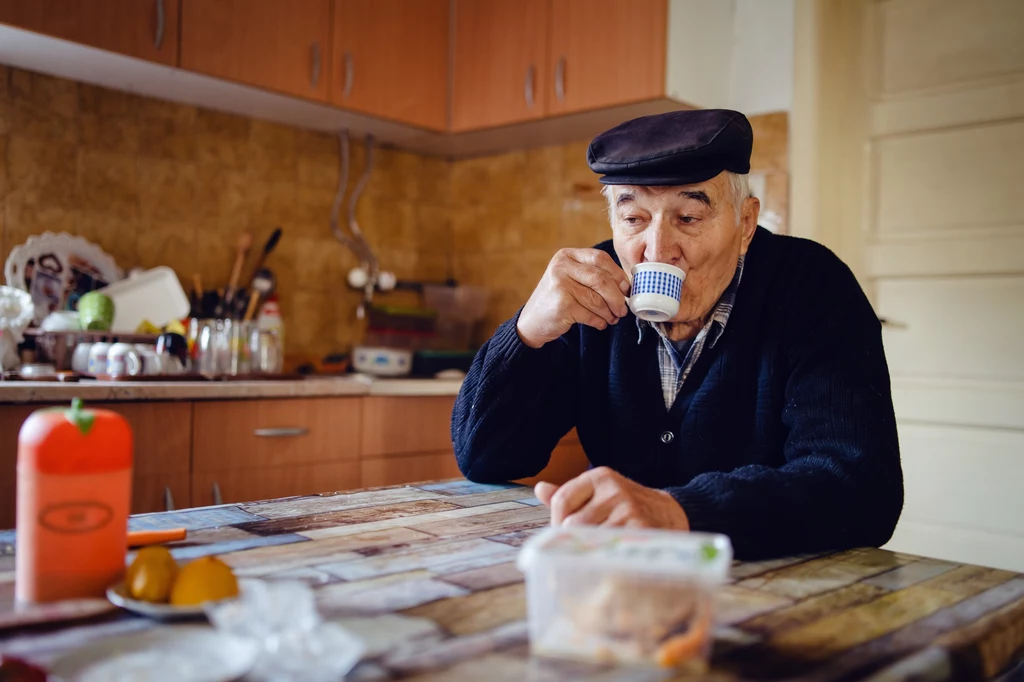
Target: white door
<point x="944" y="257"/>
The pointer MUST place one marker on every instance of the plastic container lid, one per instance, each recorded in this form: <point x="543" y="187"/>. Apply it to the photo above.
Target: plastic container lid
<point x="705" y="556"/>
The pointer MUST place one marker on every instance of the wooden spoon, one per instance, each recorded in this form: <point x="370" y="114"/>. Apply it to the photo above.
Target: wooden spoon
<point x="244" y="244"/>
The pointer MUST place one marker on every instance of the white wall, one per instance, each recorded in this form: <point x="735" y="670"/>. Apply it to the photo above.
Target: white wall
<point x="733" y="54"/>
<point x="761" y="73"/>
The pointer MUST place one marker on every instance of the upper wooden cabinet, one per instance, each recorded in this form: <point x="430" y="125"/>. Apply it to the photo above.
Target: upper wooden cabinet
<point x="499" y="57"/>
<point x="275" y="44"/>
<point x="605" y="53"/>
<point x="391" y="59"/>
<point x="147" y="29"/>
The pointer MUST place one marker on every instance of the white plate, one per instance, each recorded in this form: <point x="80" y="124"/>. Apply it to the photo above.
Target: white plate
<point x="179" y="653"/>
<point x="118" y="595"/>
<point x="56" y="269"/>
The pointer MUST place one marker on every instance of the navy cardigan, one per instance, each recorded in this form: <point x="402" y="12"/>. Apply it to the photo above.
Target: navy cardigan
<point x="783" y="436"/>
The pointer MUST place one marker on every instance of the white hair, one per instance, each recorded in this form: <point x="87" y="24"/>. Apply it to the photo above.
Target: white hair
<point x="739" y="186"/>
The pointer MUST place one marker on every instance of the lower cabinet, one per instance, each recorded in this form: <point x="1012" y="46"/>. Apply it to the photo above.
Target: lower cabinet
<point x="190" y="454"/>
<point x="395" y="470"/>
<point x="263" y="483"/>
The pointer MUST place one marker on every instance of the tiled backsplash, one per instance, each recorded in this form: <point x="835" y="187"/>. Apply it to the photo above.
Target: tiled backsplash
<point x="157" y="183"/>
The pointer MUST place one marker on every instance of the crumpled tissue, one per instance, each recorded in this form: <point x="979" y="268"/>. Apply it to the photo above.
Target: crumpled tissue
<point x="296" y="644"/>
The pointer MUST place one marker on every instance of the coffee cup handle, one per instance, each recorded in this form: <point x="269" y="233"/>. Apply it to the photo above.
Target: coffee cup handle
<point x="133" y="363"/>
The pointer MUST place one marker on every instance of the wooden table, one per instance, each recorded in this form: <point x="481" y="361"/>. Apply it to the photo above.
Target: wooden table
<point x="426" y="574"/>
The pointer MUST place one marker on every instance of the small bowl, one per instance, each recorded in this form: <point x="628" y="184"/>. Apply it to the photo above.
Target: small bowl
<point x="118" y="596"/>
<point x="60" y="321"/>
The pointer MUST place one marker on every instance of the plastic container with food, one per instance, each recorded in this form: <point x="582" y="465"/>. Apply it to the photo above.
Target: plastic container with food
<point x="615" y="595"/>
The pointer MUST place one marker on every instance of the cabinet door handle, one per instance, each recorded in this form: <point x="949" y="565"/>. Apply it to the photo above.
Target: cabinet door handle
<point x="315" y="79"/>
<point x="560" y="79"/>
<point x="350" y="73"/>
<point x="168" y="499"/>
<point x="158" y="36"/>
<point x="217" y="497"/>
<point x="531" y="73"/>
<point x="281" y="432"/>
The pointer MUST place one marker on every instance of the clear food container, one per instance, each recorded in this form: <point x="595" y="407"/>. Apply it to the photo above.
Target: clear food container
<point x="615" y="595"/>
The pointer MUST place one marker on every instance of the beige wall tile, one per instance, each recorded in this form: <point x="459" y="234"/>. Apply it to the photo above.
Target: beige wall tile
<point x="170" y="242"/>
<point x="216" y="254"/>
<point x="29" y="119"/>
<point x="41" y="172"/>
<point x="3" y="170"/>
<point x="486" y="180"/>
<point x="166" y="130"/>
<point x="109" y="133"/>
<point x="108" y="182"/>
<point x="55" y="95"/>
<point x="104" y="102"/>
<point x="166" y="189"/>
<point x="542" y="176"/>
<point x="272" y="152"/>
<point x="115" y="233"/>
<point x="5" y="82"/>
<point x="25" y="220"/>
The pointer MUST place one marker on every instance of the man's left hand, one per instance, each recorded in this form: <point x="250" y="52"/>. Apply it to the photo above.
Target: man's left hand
<point x="603" y="497"/>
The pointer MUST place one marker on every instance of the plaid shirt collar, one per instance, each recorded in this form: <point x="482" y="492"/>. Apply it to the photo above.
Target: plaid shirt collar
<point x="675" y="369"/>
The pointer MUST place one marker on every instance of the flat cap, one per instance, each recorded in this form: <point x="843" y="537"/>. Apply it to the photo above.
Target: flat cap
<point x="676" y="148"/>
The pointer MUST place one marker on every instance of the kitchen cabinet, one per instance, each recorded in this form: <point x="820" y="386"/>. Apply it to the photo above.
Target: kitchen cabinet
<point x="499" y="55"/>
<point x="11" y="419"/>
<point x="606" y="53"/>
<point x="390" y="59"/>
<point x="162" y="435"/>
<point x="147" y="29"/>
<point x="250" y="484"/>
<point x="395" y="470"/>
<point x="274" y="44"/>
<point x="404" y="425"/>
<point x="256" y="449"/>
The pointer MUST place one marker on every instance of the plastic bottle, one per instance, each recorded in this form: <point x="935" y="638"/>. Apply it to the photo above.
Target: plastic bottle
<point x="74" y="495"/>
<point x="270" y="320"/>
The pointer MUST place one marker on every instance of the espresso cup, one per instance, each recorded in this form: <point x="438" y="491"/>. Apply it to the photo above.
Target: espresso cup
<point x="97" y="362"/>
<point x="80" y="358"/>
<point x="152" y="362"/>
<point x="657" y="289"/>
<point x="123" y="359"/>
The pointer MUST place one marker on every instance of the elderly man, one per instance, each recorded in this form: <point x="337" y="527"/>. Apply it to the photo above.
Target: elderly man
<point x="762" y="410"/>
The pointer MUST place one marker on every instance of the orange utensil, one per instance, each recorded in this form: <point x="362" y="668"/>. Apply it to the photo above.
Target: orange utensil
<point x="141" y="538"/>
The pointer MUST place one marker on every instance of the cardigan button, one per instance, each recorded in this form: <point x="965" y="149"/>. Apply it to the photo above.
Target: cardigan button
<point x="668" y="437"/>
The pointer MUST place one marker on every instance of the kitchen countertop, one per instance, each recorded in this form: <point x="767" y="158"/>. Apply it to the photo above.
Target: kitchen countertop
<point x="426" y="575"/>
<point x="21" y="392"/>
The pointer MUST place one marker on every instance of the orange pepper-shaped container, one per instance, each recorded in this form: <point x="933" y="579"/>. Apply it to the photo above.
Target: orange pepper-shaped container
<point x="74" y="494"/>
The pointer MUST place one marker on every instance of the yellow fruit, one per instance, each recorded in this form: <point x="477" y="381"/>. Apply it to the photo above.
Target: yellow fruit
<point x="151" y="575"/>
<point x="205" y="579"/>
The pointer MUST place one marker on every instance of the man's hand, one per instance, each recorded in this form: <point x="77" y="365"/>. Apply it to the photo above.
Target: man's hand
<point x="580" y="285"/>
<point x="602" y="497"/>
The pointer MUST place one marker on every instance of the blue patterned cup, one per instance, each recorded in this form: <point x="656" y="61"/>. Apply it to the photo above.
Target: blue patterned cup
<point x="657" y="288"/>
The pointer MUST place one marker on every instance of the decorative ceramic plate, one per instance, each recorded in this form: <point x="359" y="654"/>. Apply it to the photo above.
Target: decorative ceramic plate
<point x="118" y="595"/>
<point x="179" y="653"/>
<point x="57" y="269"/>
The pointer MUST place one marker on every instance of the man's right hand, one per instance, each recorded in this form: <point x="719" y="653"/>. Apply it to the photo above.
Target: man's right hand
<point x="580" y="285"/>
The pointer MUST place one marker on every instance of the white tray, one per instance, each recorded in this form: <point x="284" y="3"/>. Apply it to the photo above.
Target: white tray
<point x="155" y="295"/>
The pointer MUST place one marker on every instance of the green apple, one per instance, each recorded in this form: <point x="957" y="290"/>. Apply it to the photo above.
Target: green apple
<point x="95" y="312"/>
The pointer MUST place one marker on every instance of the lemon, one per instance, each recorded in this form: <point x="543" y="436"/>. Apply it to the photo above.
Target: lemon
<point x="151" y="574"/>
<point x="205" y="579"/>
